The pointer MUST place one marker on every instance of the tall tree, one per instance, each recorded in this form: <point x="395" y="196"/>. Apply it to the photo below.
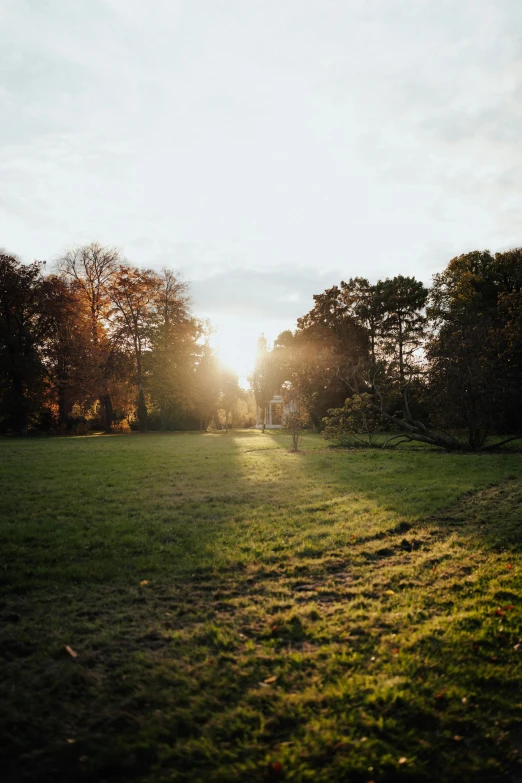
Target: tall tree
<point x="474" y="356"/>
<point x="264" y="378"/>
<point x="230" y="394"/>
<point x="66" y="349"/>
<point x="174" y="349"/>
<point x="24" y="324"/>
<point x="207" y="387"/>
<point x="328" y="344"/>
<point x="404" y="322"/>
<point x="134" y="293"/>
<point x="92" y="268"/>
<point x="365" y="303"/>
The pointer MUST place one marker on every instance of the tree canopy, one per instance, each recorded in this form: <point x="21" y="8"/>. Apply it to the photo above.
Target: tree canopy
<point x="440" y="365"/>
<point x="102" y="343"/>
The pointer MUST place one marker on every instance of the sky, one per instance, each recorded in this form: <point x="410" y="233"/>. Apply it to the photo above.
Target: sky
<point x="265" y="149"/>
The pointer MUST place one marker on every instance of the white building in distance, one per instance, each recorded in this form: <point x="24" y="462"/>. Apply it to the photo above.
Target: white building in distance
<point x="272" y="416"/>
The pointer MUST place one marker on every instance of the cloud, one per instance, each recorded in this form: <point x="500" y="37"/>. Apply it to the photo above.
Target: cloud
<point x="270" y="294"/>
<point x="262" y="147"/>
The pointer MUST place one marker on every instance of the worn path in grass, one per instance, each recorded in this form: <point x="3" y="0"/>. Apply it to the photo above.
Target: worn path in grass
<point x="242" y="613"/>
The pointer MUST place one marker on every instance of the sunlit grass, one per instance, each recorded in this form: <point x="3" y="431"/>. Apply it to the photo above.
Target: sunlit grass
<point x="187" y="570"/>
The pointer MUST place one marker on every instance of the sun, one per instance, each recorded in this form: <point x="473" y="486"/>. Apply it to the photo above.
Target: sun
<point x="235" y="344"/>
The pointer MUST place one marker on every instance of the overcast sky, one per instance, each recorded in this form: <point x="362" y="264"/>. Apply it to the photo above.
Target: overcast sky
<point x="266" y="148"/>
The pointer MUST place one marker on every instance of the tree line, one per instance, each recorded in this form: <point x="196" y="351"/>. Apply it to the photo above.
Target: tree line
<point x="99" y="342"/>
<point x="441" y="365"/>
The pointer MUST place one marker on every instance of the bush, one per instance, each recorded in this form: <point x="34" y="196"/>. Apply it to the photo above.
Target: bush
<point x="356" y="423"/>
<point x="122" y="426"/>
<point x="82" y="428"/>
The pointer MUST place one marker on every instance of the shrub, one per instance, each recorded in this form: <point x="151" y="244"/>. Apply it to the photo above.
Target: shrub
<point x="356" y="423"/>
<point x="122" y="426"/>
<point x="81" y="428"/>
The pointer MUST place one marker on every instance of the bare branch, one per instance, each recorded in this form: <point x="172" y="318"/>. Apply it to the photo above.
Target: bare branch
<point x="403" y="439"/>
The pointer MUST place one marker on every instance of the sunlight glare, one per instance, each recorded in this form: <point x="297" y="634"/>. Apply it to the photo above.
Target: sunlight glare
<point x="235" y="344"/>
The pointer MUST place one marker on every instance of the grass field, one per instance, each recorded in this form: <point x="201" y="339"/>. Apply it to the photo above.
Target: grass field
<point x="239" y="612"/>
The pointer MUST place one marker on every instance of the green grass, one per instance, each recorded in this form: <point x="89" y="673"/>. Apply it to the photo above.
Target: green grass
<point x="189" y="571"/>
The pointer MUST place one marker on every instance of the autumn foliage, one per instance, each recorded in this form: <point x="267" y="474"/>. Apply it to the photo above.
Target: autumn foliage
<point x="101" y="343"/>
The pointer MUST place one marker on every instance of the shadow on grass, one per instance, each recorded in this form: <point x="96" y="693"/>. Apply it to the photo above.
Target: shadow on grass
<point x="117" y="509"/>
<point x="411" y="483"/>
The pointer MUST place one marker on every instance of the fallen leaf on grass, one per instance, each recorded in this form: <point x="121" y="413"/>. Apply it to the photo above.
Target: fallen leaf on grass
<point x="509" y="607"/>
<point x="71" y="741"/>
<point x="457" y="738"/>
<point x="71" y="652"/>
<point x="509" y="566"/>
<point x="499" y="612"/>
<point x="271" y="679"/>
<point x="518" y="646"/>
<point x="402" y="760"/>
<point x="389" y="592"/>
<point x="144" y="582"/>
<point x="395" y="651"/>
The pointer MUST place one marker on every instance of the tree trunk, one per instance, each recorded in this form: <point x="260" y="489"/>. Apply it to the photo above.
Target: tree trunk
<point x="64" y="409"/>
<point x="107" y="411"/>
<point x="142" y="409"/>
<point x="19" y="417"/>
<point x="142" y="405"/>
<point x="401" y="353"/>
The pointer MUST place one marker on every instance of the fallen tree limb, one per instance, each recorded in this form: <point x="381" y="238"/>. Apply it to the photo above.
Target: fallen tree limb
<point x="493" y="446"/>
<point x="402" y="438"/>
<point x="409" y="427"/>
